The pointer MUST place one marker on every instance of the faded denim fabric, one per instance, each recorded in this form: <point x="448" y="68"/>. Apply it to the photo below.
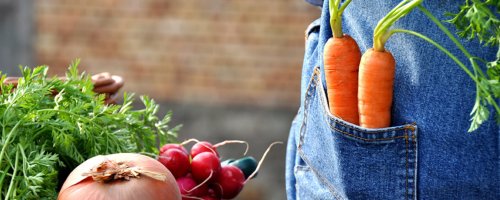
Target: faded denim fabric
<point x="427" y="153"/>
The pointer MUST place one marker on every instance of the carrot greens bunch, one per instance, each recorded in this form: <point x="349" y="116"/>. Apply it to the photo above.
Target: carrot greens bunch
<point x="48" y="126"/>
<point x="479" y="19"/>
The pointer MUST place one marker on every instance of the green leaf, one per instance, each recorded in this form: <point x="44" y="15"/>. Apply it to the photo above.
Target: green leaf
<point x="478" y="20"/>
<point x="478" y="117"/>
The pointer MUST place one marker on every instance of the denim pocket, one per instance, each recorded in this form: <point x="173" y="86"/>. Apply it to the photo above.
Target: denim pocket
<point x="340" y="160"/>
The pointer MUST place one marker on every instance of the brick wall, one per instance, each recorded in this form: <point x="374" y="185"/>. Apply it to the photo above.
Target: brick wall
<point x="215" y="52"/>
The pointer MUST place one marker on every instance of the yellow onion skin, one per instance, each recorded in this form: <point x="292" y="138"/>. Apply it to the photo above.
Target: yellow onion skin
<point x="82" y="187"/>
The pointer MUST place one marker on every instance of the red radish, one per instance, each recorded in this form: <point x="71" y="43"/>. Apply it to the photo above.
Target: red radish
<point x="173" y="146"/>
<point x="189" y="188"/>
<point x="203" y="146"/>
<point x="205" y="165"/>
<point x="212" y="193"/>
<point x="230" y="181"/>
<point x="176" y="161"/>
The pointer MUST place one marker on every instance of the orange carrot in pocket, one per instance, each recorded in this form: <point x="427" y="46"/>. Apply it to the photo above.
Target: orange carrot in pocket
<point x="341" y="61"/>
<point x="376" y="79"/>
<point x="376" y="72"/>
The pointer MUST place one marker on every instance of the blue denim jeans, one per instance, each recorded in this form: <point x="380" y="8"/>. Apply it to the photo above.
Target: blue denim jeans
<point x="427" y="153"/>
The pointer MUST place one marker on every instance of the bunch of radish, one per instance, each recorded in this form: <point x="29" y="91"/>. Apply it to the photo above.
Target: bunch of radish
<point x="200" y="174"/>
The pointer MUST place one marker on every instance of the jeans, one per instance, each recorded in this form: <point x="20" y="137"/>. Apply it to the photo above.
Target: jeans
<point x="427" y="152"/>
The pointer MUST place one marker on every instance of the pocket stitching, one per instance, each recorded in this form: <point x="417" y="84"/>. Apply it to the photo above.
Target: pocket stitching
<point x="411" y="135"/>
<point x="407" y="164"/>
<point x="414" y="142"/>
<point x="365" y="139"/>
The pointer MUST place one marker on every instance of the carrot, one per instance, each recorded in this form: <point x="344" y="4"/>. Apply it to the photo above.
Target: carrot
<point x="341" y="60"/>
<point x="376" y="78"/>
<point x="376" y="72"/>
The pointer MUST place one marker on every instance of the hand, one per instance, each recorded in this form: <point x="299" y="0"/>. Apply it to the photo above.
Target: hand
<point x="11" y="80"/>
<point x="100" y="79"/>
<point x="105" y="83"/>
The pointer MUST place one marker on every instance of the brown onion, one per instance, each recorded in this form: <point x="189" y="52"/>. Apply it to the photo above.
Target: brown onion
<point x="124" y="176"/>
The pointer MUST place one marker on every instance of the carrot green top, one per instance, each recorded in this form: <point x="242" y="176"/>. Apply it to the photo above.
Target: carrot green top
<point x="336" y="16"/>
<point x="382" y="33"/>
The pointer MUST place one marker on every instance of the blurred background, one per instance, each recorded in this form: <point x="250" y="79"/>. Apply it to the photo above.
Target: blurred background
<point x="227" y="69"/>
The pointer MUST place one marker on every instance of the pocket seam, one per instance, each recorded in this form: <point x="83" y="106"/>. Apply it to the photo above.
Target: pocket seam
<point x="411" y="135"/>
<point x="365" y="139"/>
<point x="323" y="180"/>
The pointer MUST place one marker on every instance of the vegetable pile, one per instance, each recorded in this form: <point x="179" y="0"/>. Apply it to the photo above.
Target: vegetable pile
<point x="201" y="175"/>
<point x="49" y="126"/>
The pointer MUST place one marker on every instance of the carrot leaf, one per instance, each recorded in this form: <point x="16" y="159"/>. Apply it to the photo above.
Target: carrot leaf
<point x="336" y="11"/>
<point x="476" y="19"/>
<point x="382" y="30"/>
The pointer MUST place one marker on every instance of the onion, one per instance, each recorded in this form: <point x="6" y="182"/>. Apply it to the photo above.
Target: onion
<point x="124" y="176"/>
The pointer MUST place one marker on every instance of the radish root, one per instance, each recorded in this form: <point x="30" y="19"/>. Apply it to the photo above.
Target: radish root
<point x="261" y="161"/>
<point x="197" y="141"/>
<point x="201" y="184"/>
<point x="234" y="142"/>
<point x="189" y="141"/>
<point x="191" y="197"/>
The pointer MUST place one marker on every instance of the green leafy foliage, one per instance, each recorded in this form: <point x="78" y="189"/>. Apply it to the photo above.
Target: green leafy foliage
<point x="48" y="125"/>
<point x="479" y="19"/>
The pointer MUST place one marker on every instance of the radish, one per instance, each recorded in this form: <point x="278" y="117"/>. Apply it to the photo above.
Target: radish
<point x="176" y="161"/>
<point x="230" y="181"/>
<point x="211" y="193"/>
<point x="205" y="165"/>
<point x="189" y="188"/>
<point x="203" y="146"/>
<point x="173" y="146"/>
